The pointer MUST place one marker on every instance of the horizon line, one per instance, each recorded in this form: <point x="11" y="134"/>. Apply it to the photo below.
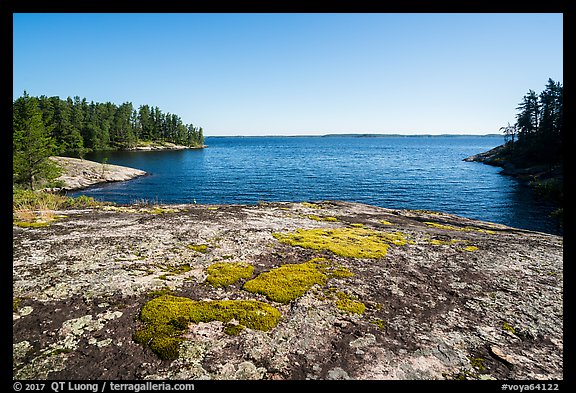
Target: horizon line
<point x="347" y="134"/>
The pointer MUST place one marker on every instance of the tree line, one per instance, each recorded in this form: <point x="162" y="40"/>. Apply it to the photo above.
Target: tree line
<point x="537" y="135"/>
<point x="45" y="126"/>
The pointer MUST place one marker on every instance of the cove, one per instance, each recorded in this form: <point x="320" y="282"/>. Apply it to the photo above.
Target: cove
<point x="398" y="172"/>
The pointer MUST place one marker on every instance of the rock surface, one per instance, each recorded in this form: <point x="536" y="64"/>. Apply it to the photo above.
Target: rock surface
<point x="78" y="173"/>
<point x="459" y="299"/>
<point x="163" y="146"/>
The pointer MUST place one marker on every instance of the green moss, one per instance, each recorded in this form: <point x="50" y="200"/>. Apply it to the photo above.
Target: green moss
<point x="346" y="303"/>
<point x="287" y="282"/>
<point x="167" y="317"/>
<point x="346" y="242"/>
<point x="224" y="273"/>
<point x="203" y="248"/>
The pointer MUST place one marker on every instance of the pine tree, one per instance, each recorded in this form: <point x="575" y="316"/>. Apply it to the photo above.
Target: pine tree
<point x="32" y="144"/>
<point x="68" y="137"/>
<point x="527" y="119"/>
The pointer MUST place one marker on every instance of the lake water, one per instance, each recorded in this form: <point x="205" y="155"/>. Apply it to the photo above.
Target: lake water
<point x="394" y="172"/>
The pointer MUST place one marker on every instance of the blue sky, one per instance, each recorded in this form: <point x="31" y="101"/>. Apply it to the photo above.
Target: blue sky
<point x="296" y="74"/>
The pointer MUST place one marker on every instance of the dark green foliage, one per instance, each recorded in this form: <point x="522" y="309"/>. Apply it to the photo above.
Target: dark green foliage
<point x="77" y="127"/>
<point x="32" y="144"/>
<point x="45" y="126"/>
<point x="539" y="132"/>
<point x="539" y="127"/>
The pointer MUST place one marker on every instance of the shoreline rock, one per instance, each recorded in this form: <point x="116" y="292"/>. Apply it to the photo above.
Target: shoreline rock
<point x="445" y="297"/>
<point x="79" y="173"/>
<point x="546" y="181"/>
<point x="163" y="146"/>
<point x="498" y="157"/>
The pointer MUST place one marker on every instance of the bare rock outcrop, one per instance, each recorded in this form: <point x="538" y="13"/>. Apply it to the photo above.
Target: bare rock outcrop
<point x="398" y="294"/>
<point x="79" y="173"/>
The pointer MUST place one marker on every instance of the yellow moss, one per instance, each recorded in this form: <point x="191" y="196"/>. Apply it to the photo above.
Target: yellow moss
<point x="470" y="248"/>
<point x="27" y="224"/>
<point x="225" y="273"/>
<point x="159" y="210"/>
<point x="16" y="304"/>
<point x="160" y="292"/>
<point x="437" y="242"/>
<point x="379" y="323"/>
<point x="346" y="242"/>
<point x="203" y="248"/>
<point x="346" y="303"/>
<point x="477" y="363"/>
<point x="233" y="329"/>
<point x="340" y="272"/>
<point x="508" y="327"/>
<point x="454" y="228"/>
<point x="172" y="270"/>
<point x="167" y="317"/>
<point x="385" y="222"/>
<point x="322" y="218"/>
<point x="357" y="225"/>
<point x="488" y="231"/>
<point x="311" y="205"/>
<point x="287" y="282"/>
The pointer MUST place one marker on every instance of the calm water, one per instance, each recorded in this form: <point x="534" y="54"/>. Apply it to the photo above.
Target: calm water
<point x="393" y="172"/>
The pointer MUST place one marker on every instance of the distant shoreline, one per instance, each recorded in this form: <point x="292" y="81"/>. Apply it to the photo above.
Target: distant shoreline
<point x="358" y="136"/>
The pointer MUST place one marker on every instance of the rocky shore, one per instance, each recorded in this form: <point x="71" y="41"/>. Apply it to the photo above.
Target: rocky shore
<point x="498" y="157"/>
<point x="79" y="173"/>
<point x="547" y="181"/>
<point x="324" y="290"/>
<point x="536" y="173"/>
<point x="163" y="146"/>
